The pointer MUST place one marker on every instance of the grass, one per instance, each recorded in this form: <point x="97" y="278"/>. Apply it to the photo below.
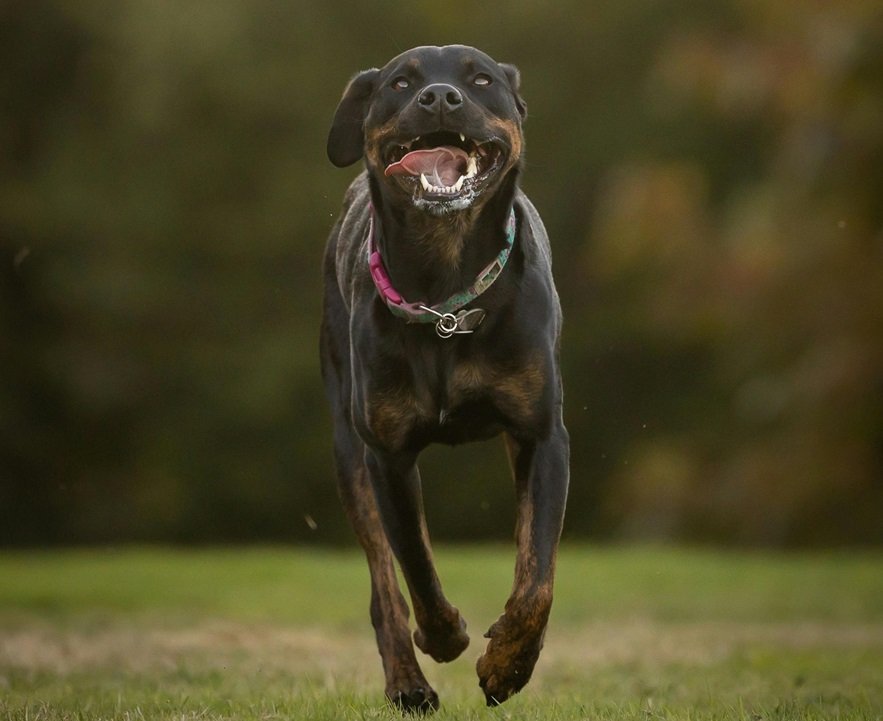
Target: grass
<point x="278" y="633"/>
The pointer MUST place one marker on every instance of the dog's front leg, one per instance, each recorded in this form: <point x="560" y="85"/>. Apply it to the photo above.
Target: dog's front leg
<point x="541" y="476"/>
<point x="441" y="631"/>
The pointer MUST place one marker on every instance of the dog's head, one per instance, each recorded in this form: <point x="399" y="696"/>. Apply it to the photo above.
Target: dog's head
<point x="439" y="127"/>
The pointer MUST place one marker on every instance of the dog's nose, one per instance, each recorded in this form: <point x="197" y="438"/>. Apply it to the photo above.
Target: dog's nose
<point x="440" y="96"/>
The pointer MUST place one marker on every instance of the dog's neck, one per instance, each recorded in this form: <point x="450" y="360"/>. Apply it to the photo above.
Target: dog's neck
<point x="430" y="257"/>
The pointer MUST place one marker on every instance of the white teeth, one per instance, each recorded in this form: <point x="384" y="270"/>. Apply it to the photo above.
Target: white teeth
<point x="462" y="138"/>
<point x="429" y="187"/>
<point x="471" y="167"/>
<point x="442" y="189"/>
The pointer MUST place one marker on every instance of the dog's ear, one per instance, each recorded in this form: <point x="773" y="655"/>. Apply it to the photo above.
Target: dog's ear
<point x="346" y="139"/>
<point x="514" y="78"/>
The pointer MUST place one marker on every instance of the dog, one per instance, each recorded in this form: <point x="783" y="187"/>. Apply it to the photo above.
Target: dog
<point x="441" y="324"/>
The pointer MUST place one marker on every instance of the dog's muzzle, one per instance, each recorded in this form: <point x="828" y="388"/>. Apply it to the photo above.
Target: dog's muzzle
<point x="444" y="171"/>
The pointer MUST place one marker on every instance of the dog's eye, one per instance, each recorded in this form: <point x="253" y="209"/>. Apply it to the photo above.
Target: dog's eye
<point x="400" y="83"/>
<point x="481" y="80"/>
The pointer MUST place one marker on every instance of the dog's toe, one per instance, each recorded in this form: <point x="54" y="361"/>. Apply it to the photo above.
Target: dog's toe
<point x="421" y="699"/>
<point x="443" y="645"/>
<point x="499" y="684"/>
<point x="508" y="662"/>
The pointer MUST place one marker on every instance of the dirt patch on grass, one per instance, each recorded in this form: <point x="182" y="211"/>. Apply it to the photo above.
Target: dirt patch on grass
<point x="256" y="648"/>
<point x="696" y="643"/>
<point x="209" y="646"/>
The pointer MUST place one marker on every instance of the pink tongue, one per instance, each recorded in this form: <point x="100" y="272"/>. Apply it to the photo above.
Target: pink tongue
<point x="441" y="166"/>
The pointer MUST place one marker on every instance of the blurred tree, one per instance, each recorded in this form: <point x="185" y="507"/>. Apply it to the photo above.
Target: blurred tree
<point x="773" y="275"/>
<point x="711" y="175"/>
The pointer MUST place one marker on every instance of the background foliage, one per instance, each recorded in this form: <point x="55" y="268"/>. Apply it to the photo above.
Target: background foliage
<point x="711" y="174"/>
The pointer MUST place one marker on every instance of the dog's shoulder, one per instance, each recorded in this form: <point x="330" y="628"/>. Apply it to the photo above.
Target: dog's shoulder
<point x="534" y="237"/>
<point x="347" y="241"/>
<point x="537" y="283"/>
<point x="352" y="225"/>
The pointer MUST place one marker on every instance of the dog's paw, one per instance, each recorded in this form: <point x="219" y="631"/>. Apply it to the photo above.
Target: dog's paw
<point x="508" y="662"/>
<point x="443" y="643"/>
<point x="420" y="699"/>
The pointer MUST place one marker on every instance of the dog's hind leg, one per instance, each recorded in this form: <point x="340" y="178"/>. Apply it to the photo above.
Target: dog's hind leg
<point x="406" y="686"/>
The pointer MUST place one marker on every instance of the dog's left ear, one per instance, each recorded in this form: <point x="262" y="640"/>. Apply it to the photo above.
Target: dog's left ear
<point x="514" y="78"/>
<point x="346" y="139"/>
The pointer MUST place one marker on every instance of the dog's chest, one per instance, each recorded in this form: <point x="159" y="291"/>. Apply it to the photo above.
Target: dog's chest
<point x="463" y="401"/>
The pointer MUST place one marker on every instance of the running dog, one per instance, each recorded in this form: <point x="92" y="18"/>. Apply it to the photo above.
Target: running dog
<point x="441" y="325"/>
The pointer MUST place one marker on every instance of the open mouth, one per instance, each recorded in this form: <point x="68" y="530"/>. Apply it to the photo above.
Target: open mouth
<point x="444" y="166"/>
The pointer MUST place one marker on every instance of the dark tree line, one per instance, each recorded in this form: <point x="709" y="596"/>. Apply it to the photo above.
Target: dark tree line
<point x="711" y="175"/>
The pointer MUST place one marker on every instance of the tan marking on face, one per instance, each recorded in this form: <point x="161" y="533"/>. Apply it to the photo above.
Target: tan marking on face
<point x="510" y="130"/>
<point x="375" y="138"/>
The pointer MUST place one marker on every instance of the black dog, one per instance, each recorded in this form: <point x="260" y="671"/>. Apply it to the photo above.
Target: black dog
<point x="441" y="324"/>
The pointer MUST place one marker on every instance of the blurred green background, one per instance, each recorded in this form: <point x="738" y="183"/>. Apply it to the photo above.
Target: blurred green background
<point x="711" y="174"/>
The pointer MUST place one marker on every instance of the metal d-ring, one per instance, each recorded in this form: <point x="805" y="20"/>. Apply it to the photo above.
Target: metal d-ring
<point x="447" y="323"/>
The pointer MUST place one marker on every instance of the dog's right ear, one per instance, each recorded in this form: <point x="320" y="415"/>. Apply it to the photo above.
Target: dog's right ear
<point x="346" y="139"/>
<point x="514" y="78"/>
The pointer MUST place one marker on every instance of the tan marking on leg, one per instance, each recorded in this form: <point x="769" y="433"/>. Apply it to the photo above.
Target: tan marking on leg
<point x="391" y="415"/>
<point x="520" y="391"/>
<point x="406" y="686"/>
<point x="469" y="377"/>
<point x="515" y="391"/>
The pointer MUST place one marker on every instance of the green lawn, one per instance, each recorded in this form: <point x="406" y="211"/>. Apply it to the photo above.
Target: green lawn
<point x="279" y="633"/>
